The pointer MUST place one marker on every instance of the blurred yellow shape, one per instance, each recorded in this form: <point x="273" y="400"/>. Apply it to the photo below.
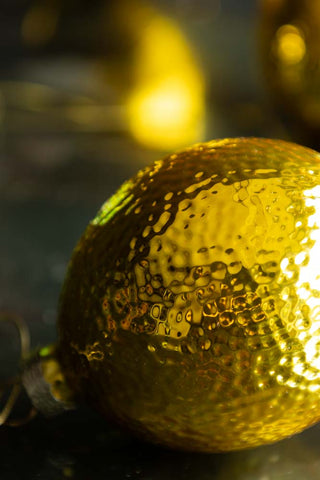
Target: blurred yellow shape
<point x="166" y="106"/>
<point x="290" y="45"/>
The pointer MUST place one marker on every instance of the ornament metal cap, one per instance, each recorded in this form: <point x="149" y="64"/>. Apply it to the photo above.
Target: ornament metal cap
<point x="45" y="384"/>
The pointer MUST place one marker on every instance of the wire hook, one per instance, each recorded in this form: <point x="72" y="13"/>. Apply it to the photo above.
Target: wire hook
<point x="16" y="385"/>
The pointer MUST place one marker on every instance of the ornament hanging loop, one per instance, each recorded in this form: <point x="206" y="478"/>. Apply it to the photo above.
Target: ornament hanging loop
<point x="15" y="383"/>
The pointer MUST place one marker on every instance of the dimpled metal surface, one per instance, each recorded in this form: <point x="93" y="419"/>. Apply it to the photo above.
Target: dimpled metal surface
<point x="191" y="307"/>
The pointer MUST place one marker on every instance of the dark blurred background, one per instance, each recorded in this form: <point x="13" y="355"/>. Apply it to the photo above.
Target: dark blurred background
<point x="91" y="91"/>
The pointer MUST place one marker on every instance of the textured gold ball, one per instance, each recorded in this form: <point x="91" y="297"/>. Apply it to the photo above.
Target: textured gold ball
<point x="191" y="308"/>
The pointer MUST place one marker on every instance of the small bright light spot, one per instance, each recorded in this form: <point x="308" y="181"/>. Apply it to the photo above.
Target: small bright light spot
<point x="300" y="258"/>
<point x="313" y="192"/>
<point x="290" y="45"/>
<point x="314" y="387"/>
<point x="298" y="368"/>
<point x="280" y="379"/>
<point x="304" y="293"/>
<point x="291" y="384"/>
<point x="284" y="264"/>
<point x="302" y="336"/>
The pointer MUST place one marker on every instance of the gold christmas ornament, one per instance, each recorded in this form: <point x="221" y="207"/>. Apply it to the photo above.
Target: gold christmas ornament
<point x="191" y="308"/>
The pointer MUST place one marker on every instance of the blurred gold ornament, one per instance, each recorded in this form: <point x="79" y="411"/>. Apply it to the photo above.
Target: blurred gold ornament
<point x="191" y="308"/>
<point x="166" y="104"/>
<point x="290" y="31"/>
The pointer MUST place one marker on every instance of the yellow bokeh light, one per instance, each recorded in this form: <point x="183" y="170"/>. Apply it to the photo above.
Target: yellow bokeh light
<point x="164" y="115"/>
<point x="166" y="106"/>
<point x="290" y="45"/>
